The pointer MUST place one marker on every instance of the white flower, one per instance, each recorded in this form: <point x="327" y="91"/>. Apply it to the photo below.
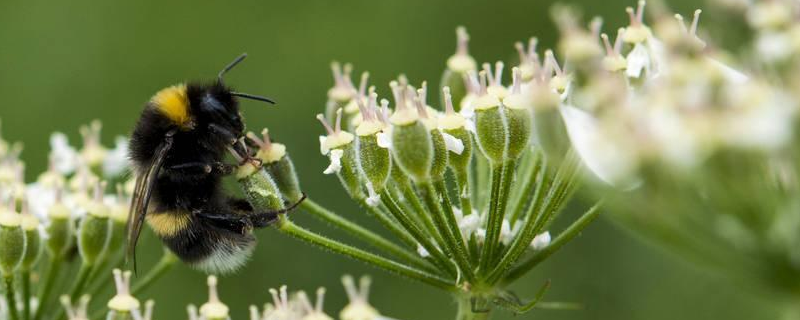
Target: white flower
<point x="282" y="309"/>
<point x="116" y="161"/>
<point x="452" y="143"/>
<point x="40" y="199"/>
<point x="541" y="241"/>
<point x="336" y="161"/>
<point x="638" y="61"/>
<point x="63" y="156"/>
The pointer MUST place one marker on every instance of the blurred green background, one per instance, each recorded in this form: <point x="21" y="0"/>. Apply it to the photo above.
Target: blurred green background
<point x="64" y="63"/>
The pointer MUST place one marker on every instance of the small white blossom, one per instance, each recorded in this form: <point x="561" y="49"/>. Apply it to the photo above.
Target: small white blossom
<point x="541" y="241"/>
<point x="336" y="161"/>
<point x="116" y="161"/>
<point x="62" y="155"/>
<point x="452" y="143"/>
<point x="373" y="198"/>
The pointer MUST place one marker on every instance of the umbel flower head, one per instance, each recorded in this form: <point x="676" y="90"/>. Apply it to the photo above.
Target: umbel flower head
<point x="70" y="208"/>
<point x="472" y="232"/>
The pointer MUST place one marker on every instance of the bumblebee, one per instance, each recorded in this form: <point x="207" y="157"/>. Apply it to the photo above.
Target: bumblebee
<point x="178" y="149"/>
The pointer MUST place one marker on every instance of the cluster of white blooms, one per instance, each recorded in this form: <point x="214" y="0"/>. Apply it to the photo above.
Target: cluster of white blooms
<point x="295" y="306"/>
<point x="69" y="206"/>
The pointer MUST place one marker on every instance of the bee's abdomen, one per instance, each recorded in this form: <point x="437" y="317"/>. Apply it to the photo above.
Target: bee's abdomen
<point x="202" y="246"/>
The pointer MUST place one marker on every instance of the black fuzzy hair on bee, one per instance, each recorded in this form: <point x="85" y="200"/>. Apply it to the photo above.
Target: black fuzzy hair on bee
<point x="178" y="148"/>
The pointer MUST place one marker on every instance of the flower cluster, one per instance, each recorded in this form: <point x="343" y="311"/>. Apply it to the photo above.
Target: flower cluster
<point x="80" y="203"/>
<point x="702" y="156"/>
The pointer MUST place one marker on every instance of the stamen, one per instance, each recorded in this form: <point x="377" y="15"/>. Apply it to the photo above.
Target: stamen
<point x="399" y="96"/>
<point x="99" y="187"/>
<point x="550" y="60"/>
<point x="532" y="44"/>
<point x="304" y="302"/>
<point x="320" y="299"/>
<point x="276" y="300"/>
<point x="325" y="123"/>
<point x="192" y="311"/>
<point x="148" y="309"/>
<point x="516" y="76"/>
<point x="350" y="287"/>
<point x="254" y="313"/>
<point x="372" y="104"/>
<point x="640" y="11"/>
<point x="213" y="296"/>
<point x="364" y="284"/>
<point x="448" y="101"/>
<point x="607" y="44"/>
<point x="348" y="70"/>
<point x="362" y="85"/>
<point x="695" y="22"/>
<point x="632" y="16"/>
<point x="422" y="93"/>
<point x="284" y="296"/>
<point x="487" y="69"/>
<point x="482" y="77"/>
<point x="462" y="38"/>
<point x="523" y="57"/>
<point x="498" y="73"/>
<point x="618" y="41"/>
<point x="682" y="24"/>
<point x="421" y="107"/>
<point x="336" y="68"/>
<point x="365" y="113"/>
<point x="384" y="112"/>
<point x="595" y="26"/>
<point x="338" y="127"/>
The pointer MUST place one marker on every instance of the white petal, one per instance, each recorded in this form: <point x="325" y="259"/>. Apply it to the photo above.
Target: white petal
<point x="322" y="148"/>
<point x="63" y="156"/>
<point x="452" y="143"/>
<point x="505" y="233"/>
<point x="384" y="139"/>
<point x="541" y="241"/>
<point x="732" y="75"/>
<point x="336" y="162"/>
<point x="604" y="158"/>
<point x="638" y="61"/>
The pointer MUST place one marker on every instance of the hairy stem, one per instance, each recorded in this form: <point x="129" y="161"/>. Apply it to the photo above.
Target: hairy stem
<point x="291" y="229"/>
<point x="25" y="276"/>
<point x="11" y="299"/>
<point x="446" y="224"/>
<point x="47" y="286"/>
<point x="164" y="264"/>
<point x="364" y="234"/>
<point x="466" y="312"/>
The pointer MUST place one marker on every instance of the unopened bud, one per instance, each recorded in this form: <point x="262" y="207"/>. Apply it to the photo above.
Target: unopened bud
<point x="94" y="231"/>
<point x="12" y="242"/>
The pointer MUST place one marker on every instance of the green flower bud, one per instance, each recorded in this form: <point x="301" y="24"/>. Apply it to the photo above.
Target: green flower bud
<point x="12" y="242"/>
<point x="259" y="188"/>
<point x="60" y="231"/>
<point x="455" y="125"/>
<point x="33" y="241"/>
<point x="339" y="146"/>
<point x="94" y="231"/>
<point x="119" y="219"/>
<point x="412" y="145"/>
<point x="458" y="65"/>
<point x="374" y="158"/>
<point x="490" y="125"/>
<point x="428" y="118"/>
<point x="518" y="118"/>
<point x="277" y="163"/>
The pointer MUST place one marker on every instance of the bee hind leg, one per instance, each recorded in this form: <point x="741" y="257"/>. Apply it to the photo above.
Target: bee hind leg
<point x="201" y="168"/>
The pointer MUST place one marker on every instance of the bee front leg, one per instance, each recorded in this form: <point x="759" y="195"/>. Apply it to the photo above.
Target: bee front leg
<point x="201" y="168"/>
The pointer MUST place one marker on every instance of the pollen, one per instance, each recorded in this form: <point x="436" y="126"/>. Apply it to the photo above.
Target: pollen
<point x="173" y="103"/>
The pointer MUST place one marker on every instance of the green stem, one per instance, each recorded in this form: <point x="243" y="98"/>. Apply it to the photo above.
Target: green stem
<point x="501" y="182"/>
<point x="465" y="311"/>
<point x="47" y="286"/>
<point x="80" y="282"/>
<point x="446" y="223"/>
<point x="364" y="234"/>
<point x="464" y="191"/>
<point x="416" y="232"/>
<point x="482" y="180"/>
<point x="164" y="265"/>
<point x="390" y="224"/>
<point x="26" y="294"/>
<point x="529" y="180"/>
<point x="566" y="236"/>
<point x="11" y="299"/>
<point x="291" y="229"/>
<point x="421" y="213"/>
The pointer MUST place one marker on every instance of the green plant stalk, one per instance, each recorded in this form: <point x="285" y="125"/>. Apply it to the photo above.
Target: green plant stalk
<point x="566" y="236"/>
<point x="11" y="299"/>
<point x="47" y="286"/>
<point x="529" y="180"/>
<point x="77" y="287"/>
<point x="389" y="223"/>
<point x="363" y="234"/>
<point x="464" y="190"/>
<point x="533" y="223"/>
<point x="416" y="203"/>
<point x="501" y="176"/>
<point x="25" y="276"/>
<point x="445" y="226"/>
<point x="563" y="185"/>
<point x="163" y="266"/>
<point x="287" y="227"/>
<point x="465" y="310"/>
<point x="482" y="176"/>
<point x="439" y="257"/>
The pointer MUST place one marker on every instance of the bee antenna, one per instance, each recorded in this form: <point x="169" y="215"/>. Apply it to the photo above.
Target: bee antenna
<point x="230" y="66"/>
<point x="253" y="97"/>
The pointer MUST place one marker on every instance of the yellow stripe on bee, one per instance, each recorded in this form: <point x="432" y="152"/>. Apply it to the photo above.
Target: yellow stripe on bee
<point x="173" y="103"/>
<point x="167" y="224"/>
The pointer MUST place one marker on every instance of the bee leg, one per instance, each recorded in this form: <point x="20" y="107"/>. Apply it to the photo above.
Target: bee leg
<point x="240" y="204"/>
<point x="265" y="218"/>
<point x="201" y="168"/>
<point x="228" y="220"/>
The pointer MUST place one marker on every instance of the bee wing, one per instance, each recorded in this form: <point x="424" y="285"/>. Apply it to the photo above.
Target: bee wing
<point x="145" y="181"/>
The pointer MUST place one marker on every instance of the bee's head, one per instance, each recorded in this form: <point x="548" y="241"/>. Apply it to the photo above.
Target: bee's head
<point x="215" y="104"/>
